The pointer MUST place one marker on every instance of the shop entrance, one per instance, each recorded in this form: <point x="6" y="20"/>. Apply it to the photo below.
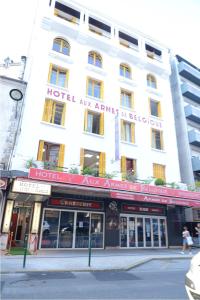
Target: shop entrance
<point x="20" y="224"/>
<point x="72" y="229"/>
<point x="137" y="231"/>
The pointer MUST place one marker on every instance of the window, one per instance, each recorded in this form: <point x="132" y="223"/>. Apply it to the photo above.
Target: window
<point x="99" y="27"/>
<point x="156" y="139"/>
<point x="95" y="59"/>
<point x="151" y="81"/>
<point x="61" y="46"/>
<point x="159" y="171"/>
<point x="67" y="13"/>
<point x="125" y="71"/>
<point x="153" y="52"/>
<point x="155" y="108"/>
<point x="52" y="154"/>
<point x="54" y="112"/>
<point x="58" y="76"/>
<point x="127" y="40"/>
<point x="92" y="163"/>
<point x="128" y="168"/>
<point x="94" y="122"/>
<point x="126" y="99"/>
<point x="95" y="88"/>
<point x="127" y="131"/>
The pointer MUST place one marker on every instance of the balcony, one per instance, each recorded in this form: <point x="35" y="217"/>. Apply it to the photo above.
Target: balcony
<point x="189" y="72"/>
<point x="190" y="92"/>
<point x="196" y="164"/>
<point x="194" y="137"/>
<point x="192" y="113"/>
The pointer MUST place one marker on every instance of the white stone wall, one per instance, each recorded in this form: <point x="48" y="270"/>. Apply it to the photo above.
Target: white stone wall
<point x="82" y="41"/>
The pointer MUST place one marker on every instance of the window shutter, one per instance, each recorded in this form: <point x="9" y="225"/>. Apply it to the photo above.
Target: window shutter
<point x="63" y="115"/>
<point x="102" y="124"/>
<point x="40" y="150"/>
<point x="67" y="78"/>
<point x="132" y="133"/>
<point x="87" y="86"/>
<point x="61" y="156"/>
<point x="122" y="130"/>
<point x="102" y="90"/>
<point x="50" y="70"/>
<point x="81" y="159"/>
<point x="53" y="111"/>
<point x="151" y="137"/>
<point x="132" y="100"/>
<point x="159" y="110"/>
<point x="149" y="105"/>
<point x="102" y="164"/>
<point x="45" y="112"/>
<point x="86" y="120"/>
<point x="134" y="166"/>
<point x="123" y="167"/>
<point x="161" y="140"/>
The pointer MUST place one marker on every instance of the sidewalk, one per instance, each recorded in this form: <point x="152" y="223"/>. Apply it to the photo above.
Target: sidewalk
<point x="101" y="260"/>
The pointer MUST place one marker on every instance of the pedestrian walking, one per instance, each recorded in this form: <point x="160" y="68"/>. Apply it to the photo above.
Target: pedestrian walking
<point x="187" y="240"/>
<point x="197" y="228"/>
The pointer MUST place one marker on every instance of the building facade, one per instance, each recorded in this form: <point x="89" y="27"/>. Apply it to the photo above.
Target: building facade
<point x="185" y="82"/>
<point x="98" y="106"/>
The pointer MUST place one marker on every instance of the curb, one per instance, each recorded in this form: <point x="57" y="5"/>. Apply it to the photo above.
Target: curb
<point x="128" y="268"/>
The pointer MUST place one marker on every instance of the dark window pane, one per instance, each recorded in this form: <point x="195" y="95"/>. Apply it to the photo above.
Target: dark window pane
<point x="82" y="230"/>
<point x="154" y="108"/>
<point x="66" y="229"/>
<point x="50" y="229"/>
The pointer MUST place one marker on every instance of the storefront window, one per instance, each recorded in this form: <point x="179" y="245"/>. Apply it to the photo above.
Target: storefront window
<point x="148" y="232"/>
<point x="140" y="232"/>
<point x="66" y="229"/>
<point x="50" y="229"/>
<point x="155" y="232"/>
<point x="132" y="232"/>
<point x="163" y="232"/>
<point x="82" y="230"/>
<point x="96" y="231"/>
<point x="123" y="231"/>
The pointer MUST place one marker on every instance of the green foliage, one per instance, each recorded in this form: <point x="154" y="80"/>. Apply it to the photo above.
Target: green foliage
<point x="30" y="163"/>
<point x="49" y="165"/>
<point x="89" y="171"/>
<point x="159" y="181"/>
<point x="130" y="176"/>
<point x="173" y="185"/>
<point x="73" y="170"/>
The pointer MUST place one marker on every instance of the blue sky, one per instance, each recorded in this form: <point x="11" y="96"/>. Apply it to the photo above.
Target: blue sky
<point x="176" y="23"/>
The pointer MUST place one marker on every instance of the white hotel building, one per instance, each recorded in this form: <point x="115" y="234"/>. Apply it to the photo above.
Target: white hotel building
<point x="98" y="100"/>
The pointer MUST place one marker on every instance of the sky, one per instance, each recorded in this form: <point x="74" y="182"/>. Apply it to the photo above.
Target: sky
<point x="175" y="23"/>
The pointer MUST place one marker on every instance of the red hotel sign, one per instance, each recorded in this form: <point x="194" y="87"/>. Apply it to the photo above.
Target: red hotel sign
<point x="97" y="182"/>
<point x="154" y="199"/>
<point x="133" y="208"/>
<point x="79" y="204"/>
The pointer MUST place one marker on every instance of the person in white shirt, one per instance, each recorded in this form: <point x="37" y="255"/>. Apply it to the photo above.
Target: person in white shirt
<point x="185" y="235"/>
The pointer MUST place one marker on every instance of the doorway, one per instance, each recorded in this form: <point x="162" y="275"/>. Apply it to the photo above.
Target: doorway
<point x="20" y="224"/>
<point x="138" y="231"/>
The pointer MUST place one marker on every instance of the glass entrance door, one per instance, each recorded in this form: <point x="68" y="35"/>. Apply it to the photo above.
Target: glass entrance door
<point x="142" y="231"/>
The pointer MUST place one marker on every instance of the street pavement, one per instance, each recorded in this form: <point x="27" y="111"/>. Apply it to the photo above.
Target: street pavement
<point x="78" y="260"/>
<point x="155" y="280"/>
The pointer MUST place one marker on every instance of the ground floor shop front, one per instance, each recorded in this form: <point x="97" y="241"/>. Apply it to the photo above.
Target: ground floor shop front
<point x="68" y="223"/>
<point x="73" y="216"/>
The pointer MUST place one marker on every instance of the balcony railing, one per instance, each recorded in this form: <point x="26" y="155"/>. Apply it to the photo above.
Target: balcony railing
<point x="194" y="137"/>
<point x="189" y="72"/>
<point x="192" y="113"/>
<point x="190" y="92"/>
<point x="196" y="164"/>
